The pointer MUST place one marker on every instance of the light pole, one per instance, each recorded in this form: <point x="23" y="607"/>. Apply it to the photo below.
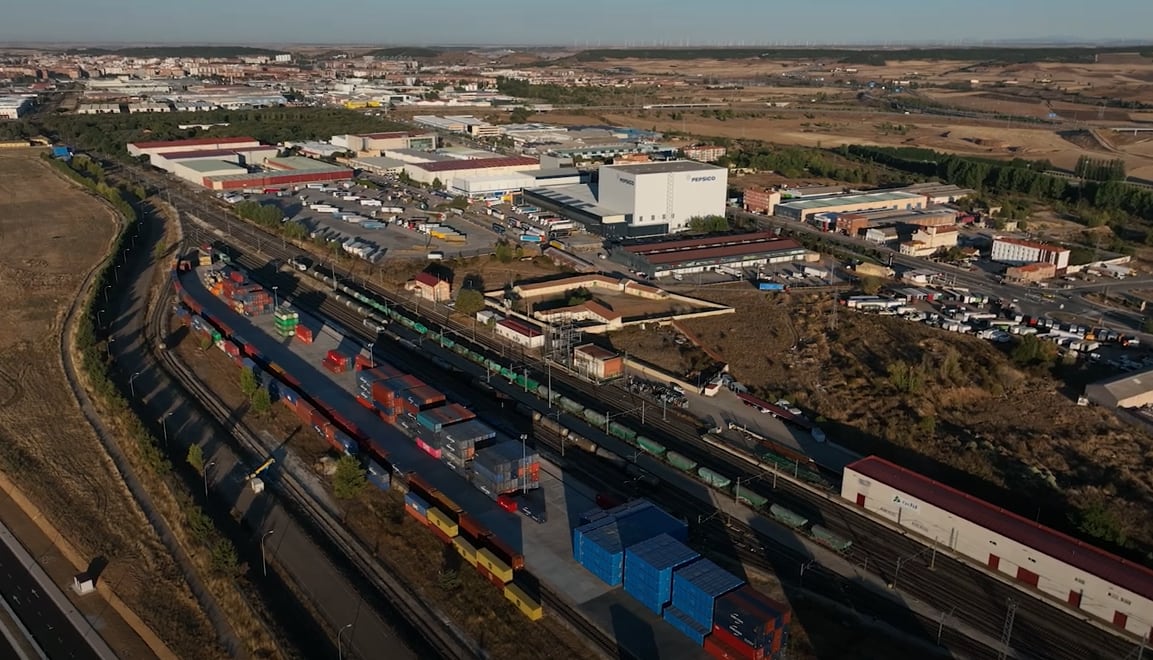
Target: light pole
<point x="206" y="469"/>
<point x="164" y="425"/>
<point x="339" y="647"/>
<point x="263" y="560"/>
<point x="100" y="317"/>
<point x="941" y="623"/>
<point x="371" y="364"/>
<point x="902" y="560"/>
<point x="131" y="384"/>
<point x="275" y="301"/>
<point x="804" y="567"/>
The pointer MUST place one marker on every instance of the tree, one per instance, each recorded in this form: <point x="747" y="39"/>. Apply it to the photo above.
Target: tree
<point x="1030" y="351"/>
<point x="261" y="401"/>
<point x="709" y="224"/>
<point x="349" y="481"/>
<point x="519" y="115"/>
<point x="870" y="285"/>
<point x="248" y="383"/>
<point x="437" y="184"/>
<point x="469" y="301"/>
<point x="159" y="251"/>
<point x="195" y="458"/>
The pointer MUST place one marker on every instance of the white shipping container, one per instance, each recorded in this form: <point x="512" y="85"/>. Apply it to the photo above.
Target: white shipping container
<point x="371" y="202"/>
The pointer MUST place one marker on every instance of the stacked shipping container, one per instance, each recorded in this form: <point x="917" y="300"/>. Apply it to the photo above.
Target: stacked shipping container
<point x="286" y="319"/>
<point x="600" y="544"/>
<point x="506" y="468"/>
<point x="649" y="569"/>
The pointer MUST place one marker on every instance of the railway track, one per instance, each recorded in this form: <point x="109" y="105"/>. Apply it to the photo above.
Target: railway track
<point x="975" y="597"/>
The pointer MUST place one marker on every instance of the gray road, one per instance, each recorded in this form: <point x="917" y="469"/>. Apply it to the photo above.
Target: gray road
<point x="290" y="548"/>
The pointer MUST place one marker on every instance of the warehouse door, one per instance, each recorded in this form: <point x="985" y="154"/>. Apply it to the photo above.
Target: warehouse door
<point x="1075" y="599"/>
<point x="1120" y="619"/>
<point x="1028" y="577"/>
<point x="994" y="561"/>
<point x="860" y="499"/>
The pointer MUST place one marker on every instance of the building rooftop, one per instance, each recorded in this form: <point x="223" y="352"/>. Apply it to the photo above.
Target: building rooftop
<point x="1048" y="247"/>
<point x="665" y="167"/>
<point x="1064" y="548"/>
<point x="848" y="200"/>
<point x="1127" y="385"/>
<point x="591" y="306"/>
<point x="580" y="196"/>
<point x="595" y="352"/>
<point x="695" y="243"/>
<point x="210" y="153"/>
<point x="301" y="164"/>
<point x="206" y="166"/>
<point x="480" y="163"/>
<point x="427" y="279"/>
<point x="194" y="142"/>
<point x="722" y="252"/>
<point x="520" y="328"/>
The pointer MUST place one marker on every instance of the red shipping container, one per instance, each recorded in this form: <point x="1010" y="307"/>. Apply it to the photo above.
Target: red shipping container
<point x="304" y="334"/>
<point x="381" y="394"/>
<point x="507" y="503"/>
<point x="427" y="448"/>
<point x="364" y="362"/>
<point x="364" y="402"/>
<point x="236" y="276"/>
<point x="715" y="648"/>
<point x="388" y="417"/>
<point x="737" y="648"/>
<point x="334" y="367"/>
<point x="304" y="411"/>
<point x="494" y="580"/>
<point x="419" y="486"/>
<point x="418" y="516"/>
<point x="514" y="559"/>
<point x="471" y="529"/>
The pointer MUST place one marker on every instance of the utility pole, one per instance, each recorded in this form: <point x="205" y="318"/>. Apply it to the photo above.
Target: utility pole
<point x="1007" y="630"/>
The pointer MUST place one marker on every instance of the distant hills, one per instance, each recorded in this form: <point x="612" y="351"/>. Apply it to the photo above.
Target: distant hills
<point x="180" y="51"/>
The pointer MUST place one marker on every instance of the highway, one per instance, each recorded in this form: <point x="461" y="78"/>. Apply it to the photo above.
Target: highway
<point x="298" y="549"/>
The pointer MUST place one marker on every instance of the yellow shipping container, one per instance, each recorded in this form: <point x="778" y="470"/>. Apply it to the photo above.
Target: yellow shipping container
<point x="465" y="549"/>
<point x="442" y="522"/>
<point x="526" y="605"/>
<point x="493" y="565"/>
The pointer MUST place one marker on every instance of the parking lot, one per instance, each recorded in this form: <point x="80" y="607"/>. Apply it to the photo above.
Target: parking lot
<point x="388" y="220"/>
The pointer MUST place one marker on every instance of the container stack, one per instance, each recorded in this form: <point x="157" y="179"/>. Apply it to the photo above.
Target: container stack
<point x="696" y="588"/>
<point x="420" y="398"/>
<point x="436" y="419"/>
<point x="286" y="320"/>
<point x="506" y="468"/>
<point x="460" y="442"/>
<point x="748" y="624"/>
<point x="386" y="395"/>
<point x="251" y="299"/>
<point x="336" y="362"/>
<point x="600" y="544"/>
<point x="365" y="379"/>
<point x="649" y="569"/>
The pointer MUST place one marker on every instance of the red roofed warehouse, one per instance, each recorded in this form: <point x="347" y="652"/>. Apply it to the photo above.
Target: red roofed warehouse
<point x="1086" y="578"/>
<point x="198" y="144"/>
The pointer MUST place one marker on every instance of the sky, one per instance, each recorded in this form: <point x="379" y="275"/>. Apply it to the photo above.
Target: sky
<point x="573" y="22"/>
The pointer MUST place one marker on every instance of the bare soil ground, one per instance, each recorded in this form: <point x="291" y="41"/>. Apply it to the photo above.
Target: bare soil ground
<point x="412" y="553"/>
<point x="53" y="233"/>
<point x="974" y="418"/>
<point x="482" y="272"/>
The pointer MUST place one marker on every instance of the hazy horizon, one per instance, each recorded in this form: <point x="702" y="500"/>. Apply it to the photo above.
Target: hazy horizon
<point x="592" y="23"/>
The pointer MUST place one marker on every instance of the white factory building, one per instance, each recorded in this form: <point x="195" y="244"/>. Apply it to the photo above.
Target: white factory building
<point x="15" y="107"/>
<point x="1017" y="252"/>
<point x="375" y="143"/>
<point x="643" y="199"/>
<point x="197" y="144"/>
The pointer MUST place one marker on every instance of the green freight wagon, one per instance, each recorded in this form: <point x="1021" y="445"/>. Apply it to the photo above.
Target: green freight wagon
<point x="713" y="479"/>
<point x="750" y="498"/>
<point x="787" y="516"/>
<point x="446" y="342"/>
<point x="680" y="462"/>
<point x="492" y="365"/>
<point x="623" y="432"/>
<point x="419" y="328"/>
<point x="460" y="349"/>
<point x="595" y="418"/>
<point x="476" y="357"/>
<point x="651" y="446"/>
<point x="834" y="541"/>
<point x="570" y="405"/>
<point x="433" y="335"/>
<point x="406" y="322"/>
<point x="507" y="373"/>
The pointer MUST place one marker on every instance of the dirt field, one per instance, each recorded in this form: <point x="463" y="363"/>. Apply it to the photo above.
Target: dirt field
<point x="52" y="234"/>
<point x="971" y="412"/>
<point x="412" y="553"/>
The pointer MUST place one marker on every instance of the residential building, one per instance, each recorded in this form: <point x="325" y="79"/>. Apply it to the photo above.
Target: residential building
<point x="761" y="200"/>
<point x="704" y="153"/>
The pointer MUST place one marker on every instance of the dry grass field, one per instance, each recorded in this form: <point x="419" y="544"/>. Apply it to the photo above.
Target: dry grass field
<point x="975" y="411"/>
<point x="51" y="234"/>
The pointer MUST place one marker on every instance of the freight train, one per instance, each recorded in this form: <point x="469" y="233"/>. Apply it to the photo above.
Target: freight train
<point x="480" y="547"/>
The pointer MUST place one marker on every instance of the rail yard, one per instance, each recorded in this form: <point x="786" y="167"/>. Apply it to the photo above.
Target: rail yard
<point x="979" y="599"/>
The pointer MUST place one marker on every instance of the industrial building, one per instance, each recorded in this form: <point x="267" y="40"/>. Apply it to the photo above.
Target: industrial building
<point x="938" y="193"/>
<point x="243" y="156"/>
<point x="647" y="199"/>
<point x="761" y="200"/>
<point x="374" y="143"/>
<point x="459" y="124"/>
<point x="699" y="255"/>
<point x="446" y="170"/>
<point x="196" y="144"/>
<point x="520" y="332"/>
<point x="927" y="241"/>
<point x="281" y="173"/>
<point x="1017" y="252"/>
<point x="596" y="362"/>
<point x="15" y="107"/>
<point x="1131" y="390"/>
<point x="804" y="209"/>
<point x="1084" y="577"/>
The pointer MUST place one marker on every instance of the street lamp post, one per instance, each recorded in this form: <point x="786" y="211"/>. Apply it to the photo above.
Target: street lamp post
<point x="164" y="425"/>
<point x="371" y="363"/>
<point x="132" y="385"/>
<point x="339" y="647"/>
<point x="206" y="469"/>
<point x="263" y="560"/>
<point x="275" y="300"/>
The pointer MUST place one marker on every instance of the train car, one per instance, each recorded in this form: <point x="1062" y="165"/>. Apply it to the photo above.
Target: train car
<point x="512" y="558"/>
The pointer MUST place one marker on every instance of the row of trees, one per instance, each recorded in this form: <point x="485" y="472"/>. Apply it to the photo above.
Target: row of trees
<point x="1100" y="169"/>
<point x="796" y="162"/>
<point x="269" y="215"/>
<point x="1016" y="177"/>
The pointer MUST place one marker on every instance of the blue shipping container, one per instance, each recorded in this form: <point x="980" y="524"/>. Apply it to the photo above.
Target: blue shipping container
<point x="602" y="554"/>
<point x="578" y="535"/>
<point x="378" y="476"/>
<point x="687" y="627"/>
<point x="696" y="587"/>
<point x="290" y="396"/>
<point x="649" y="569"/>
<point x="414" y="501"/>
<point x="770" y="286"/>
<point x="645" y="521"/>
<point x="345" y="442"/>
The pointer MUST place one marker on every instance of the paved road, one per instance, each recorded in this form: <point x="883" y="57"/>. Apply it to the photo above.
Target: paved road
<point x="290" y="547"/>
<point x="49" y="626"/>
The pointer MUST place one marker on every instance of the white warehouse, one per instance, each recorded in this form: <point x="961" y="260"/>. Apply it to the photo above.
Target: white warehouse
<point x="1083" y="577"/>
<point x="661" y="198"/>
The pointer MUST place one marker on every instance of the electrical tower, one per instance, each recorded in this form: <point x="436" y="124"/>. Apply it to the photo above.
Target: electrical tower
<point x="564" y="336"/>
<point x="1007" y="631"/>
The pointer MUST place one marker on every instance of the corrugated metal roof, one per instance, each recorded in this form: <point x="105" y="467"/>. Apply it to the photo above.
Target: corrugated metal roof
<point x="192" y="142"/>
<point x="847" y="200"/>
<point x="749" y="250"/>
<point x="1091" y="559"/>
<point x="477" y="164"/>
<point x="708" y="241"/>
